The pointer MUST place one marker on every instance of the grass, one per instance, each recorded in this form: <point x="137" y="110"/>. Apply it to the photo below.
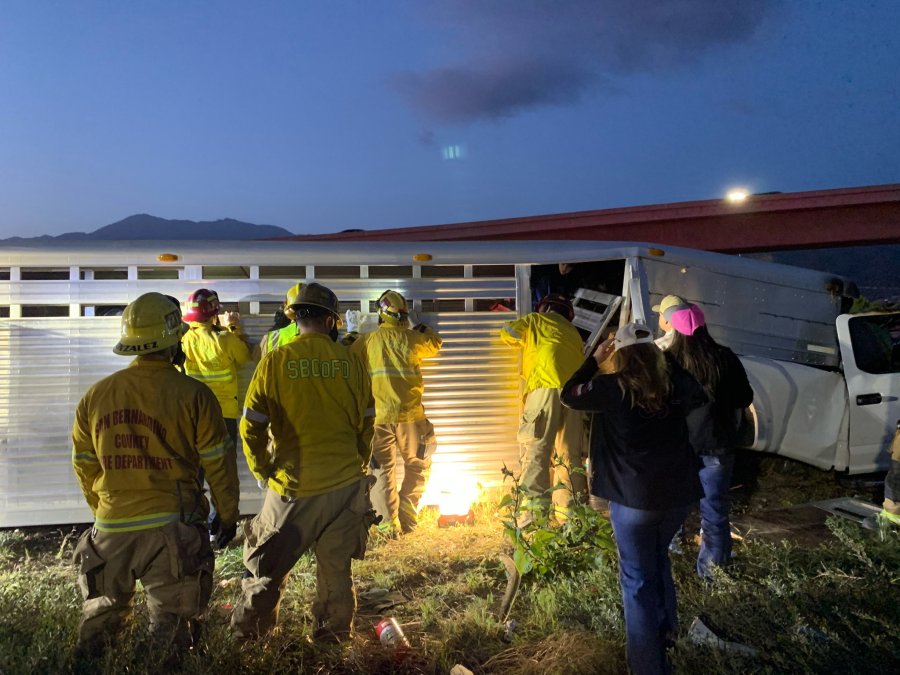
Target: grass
<point x="829" y="609"/>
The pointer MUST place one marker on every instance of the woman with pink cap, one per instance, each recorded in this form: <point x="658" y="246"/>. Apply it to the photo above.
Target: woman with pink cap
<point x="713" y="427"/>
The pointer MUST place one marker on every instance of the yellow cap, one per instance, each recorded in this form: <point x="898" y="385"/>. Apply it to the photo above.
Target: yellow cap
<point x="671" y="301"/>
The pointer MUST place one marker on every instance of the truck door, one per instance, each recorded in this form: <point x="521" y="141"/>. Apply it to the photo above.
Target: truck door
<point x="870" y="352"/>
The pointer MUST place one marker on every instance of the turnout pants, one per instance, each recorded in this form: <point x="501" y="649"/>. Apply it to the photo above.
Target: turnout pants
<point x="334" y="525"/>
<point x="174" y="564"/>
<point x="414" y="443"/>
<point x="552" y="439"/>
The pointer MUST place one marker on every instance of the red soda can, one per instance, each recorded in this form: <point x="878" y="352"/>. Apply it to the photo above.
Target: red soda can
<point x="390" y="634"/>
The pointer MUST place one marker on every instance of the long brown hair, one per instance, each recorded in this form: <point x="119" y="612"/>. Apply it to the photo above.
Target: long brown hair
<point x="701" y="356"/>
<point x="643" y="376"/>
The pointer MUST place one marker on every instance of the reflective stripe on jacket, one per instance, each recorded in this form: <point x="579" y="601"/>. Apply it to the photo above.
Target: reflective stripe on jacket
<point x="552" y="348"/>
<point x="213" y="357"/>
<point x="393" y="355"/>
<point x="275" y="338"/>
<point x="139" y="439"/>
<point x="314" y="394"/>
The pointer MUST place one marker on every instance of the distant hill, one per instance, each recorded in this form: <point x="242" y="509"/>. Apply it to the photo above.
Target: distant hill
<point x="144" y="226"/>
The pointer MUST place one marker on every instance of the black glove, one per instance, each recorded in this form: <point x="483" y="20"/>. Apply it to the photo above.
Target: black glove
<point x="215" y="525"/>
<point x="225" y="535"/>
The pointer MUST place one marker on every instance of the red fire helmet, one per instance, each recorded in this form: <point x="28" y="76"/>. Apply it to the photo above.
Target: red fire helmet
<point x="202" y="305"/>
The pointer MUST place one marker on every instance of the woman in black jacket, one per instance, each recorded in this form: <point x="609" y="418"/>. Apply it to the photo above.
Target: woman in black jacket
<point x="644" y="466"/>
<point x="713" y="427"/>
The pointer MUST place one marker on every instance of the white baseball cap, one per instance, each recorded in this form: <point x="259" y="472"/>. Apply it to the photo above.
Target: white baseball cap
<point x="632" y="334"/>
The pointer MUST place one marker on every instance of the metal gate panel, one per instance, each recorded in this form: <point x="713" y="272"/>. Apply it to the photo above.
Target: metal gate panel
<point x="45" y="367"/>
<point x="47" y="364"/>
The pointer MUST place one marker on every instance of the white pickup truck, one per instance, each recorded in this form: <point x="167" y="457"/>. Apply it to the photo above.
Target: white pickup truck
<point x="826" y="385"/>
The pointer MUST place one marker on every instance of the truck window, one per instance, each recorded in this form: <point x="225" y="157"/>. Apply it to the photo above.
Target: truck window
<point x="876" y="343"/>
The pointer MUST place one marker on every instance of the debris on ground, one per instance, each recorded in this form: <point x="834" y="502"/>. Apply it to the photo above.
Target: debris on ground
<point x="702" y="635"/>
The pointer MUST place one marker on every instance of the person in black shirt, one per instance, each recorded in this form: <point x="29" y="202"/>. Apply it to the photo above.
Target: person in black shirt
<point x="644" y="465"/>
<point x="713" y="427"/>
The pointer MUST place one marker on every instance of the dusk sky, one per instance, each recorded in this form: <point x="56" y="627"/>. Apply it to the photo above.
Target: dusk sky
<point x="327" y="115"/>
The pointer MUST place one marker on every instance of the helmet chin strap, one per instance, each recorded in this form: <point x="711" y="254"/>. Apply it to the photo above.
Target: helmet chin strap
<point x="178" y="357"/>
<point x="333" y="331"/>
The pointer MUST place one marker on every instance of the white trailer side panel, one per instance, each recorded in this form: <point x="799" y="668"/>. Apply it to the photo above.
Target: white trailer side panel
<point x="788" y="316"/>
<point x="46" y="365"/>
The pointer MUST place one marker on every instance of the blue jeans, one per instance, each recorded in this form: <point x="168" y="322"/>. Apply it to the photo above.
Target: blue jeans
<point x="645" y="574"/>
<point x="715" y="543"/>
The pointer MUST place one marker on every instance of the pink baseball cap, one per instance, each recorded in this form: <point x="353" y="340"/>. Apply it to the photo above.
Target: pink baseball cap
<point x="686" y="321"/>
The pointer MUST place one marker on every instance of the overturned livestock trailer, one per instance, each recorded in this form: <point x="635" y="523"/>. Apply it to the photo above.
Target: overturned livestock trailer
<point x="826" y="385"/>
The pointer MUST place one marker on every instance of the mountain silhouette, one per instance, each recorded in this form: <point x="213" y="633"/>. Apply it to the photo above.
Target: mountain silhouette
<point x="144" y="226"/>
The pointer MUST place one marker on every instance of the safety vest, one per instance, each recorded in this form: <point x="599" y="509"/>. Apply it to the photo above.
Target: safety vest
<point x="277" y="337"/>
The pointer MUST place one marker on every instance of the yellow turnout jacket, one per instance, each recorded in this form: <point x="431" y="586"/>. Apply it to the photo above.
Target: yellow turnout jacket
<point x="552" y="349"/>
<point x="139" y="439"/>
<point x="213" y="357"/>
<point x="314" y="394"/>
<point x="393" y="355"/>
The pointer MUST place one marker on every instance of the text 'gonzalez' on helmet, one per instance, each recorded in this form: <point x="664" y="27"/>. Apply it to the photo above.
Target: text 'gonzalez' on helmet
<point x="150" y="324"/>
<point x="557" y="303"/>
<point x="290" y="298"/>
<point x="392" y="307"/>
<point x="202" y="305"/>
<point x="317" y="295"/>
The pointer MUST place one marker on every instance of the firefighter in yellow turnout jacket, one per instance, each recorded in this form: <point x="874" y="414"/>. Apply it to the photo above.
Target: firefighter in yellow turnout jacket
<point x="213" y="353"/>
<point x="393" y="354"/>
<point x="551" y="436"/>
<point x="315" y="396"/>
<point x="139" y="439"/>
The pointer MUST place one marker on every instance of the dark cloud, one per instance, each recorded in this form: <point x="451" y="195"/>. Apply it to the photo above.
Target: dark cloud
<point x="520" y="54"/>
<point x="492" y="91"/>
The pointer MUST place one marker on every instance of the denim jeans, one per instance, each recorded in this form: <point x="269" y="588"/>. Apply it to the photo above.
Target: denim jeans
<point x="645" y="574"/>
<point x="715" y="543"/>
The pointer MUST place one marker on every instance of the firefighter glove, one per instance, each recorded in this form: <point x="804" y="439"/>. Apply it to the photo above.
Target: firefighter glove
<point x="225" y="535"/>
